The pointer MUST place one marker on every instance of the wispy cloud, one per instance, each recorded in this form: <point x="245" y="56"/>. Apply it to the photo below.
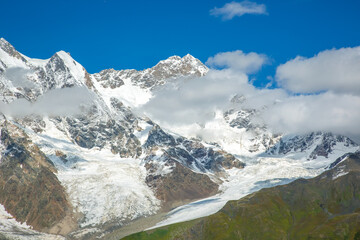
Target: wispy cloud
<point x="18" y="77"/>
<point x="56" y="102"/>
<point x="238" y="60"/>
<point x="237" y="9"/>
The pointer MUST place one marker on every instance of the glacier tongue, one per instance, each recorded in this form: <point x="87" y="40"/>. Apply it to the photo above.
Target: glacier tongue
<point x="102" y="186"/>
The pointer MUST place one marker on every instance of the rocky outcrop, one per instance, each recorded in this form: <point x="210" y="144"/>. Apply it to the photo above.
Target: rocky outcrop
<point x="89" y="133"/>
<point x="29" y="188"/>
<point x="109" y="78"/>
<point x="180" y="186"/>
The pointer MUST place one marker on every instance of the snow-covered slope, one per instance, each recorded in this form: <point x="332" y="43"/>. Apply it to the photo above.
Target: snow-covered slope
<point x="101" y="186"/>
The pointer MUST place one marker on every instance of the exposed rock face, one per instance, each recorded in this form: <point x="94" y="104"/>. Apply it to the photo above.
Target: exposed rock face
<point x="180" y="185"/>
<point x="90" y="133"/>
<point x="157" y="137"/>
<point x="325" y="207"/>
<point x="190" y="153"/>
<point x="322" y="144"/>
<point x="109" y="78"/>
<point x="34" y="122"/>
<point x="29" y="189"/>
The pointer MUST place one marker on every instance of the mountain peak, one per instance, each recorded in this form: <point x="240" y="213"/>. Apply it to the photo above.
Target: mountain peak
<point x="62" y="61"/>
<point x="189" y="57"/>
<point x="10" y="50"/>
<point x="188" y="61"/>
<point x="64" y="55"/>
<point x="3" y="40"/>
<point x="176" y="66"/>
<point x="175" y="57"/>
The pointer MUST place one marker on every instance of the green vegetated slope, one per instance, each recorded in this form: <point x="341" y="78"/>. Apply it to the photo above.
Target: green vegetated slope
<point x="325" y="207"/>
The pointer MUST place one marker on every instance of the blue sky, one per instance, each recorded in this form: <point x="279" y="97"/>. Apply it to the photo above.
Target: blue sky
<point x="104" y="34"/>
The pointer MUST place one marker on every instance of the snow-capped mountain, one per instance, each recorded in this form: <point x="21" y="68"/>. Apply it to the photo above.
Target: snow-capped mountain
<point x="111" y="165"/>
<point x="172" y="67"/>
<point x="105" y="141"/>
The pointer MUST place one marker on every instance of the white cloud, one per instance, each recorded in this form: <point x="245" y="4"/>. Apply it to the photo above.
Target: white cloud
<point x="57" y="102"/>
<point x="232" y="9"/>
<point x="196" y="100"/>
<point x="329" y="112"/>
<point x="238" y="60"/>
<point x="330" y="70"/>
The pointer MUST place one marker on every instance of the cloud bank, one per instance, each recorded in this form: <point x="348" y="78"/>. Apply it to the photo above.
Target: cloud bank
<point x="336" y="70"/>
<point x="238" y="60"/>
<point x="232" y="9"/>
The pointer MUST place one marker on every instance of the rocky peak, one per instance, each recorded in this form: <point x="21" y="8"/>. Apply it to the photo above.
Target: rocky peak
<point x="56" y="63"/>
<point x="9" y="49"/>
<point x="9" y="57"/>
<point x="170" y="68"/>
<point x="175" y="66"/>
<point x="62" y="71"/>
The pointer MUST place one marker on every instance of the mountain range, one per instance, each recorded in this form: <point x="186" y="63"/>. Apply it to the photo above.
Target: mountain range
<point x="79" y="158"/>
